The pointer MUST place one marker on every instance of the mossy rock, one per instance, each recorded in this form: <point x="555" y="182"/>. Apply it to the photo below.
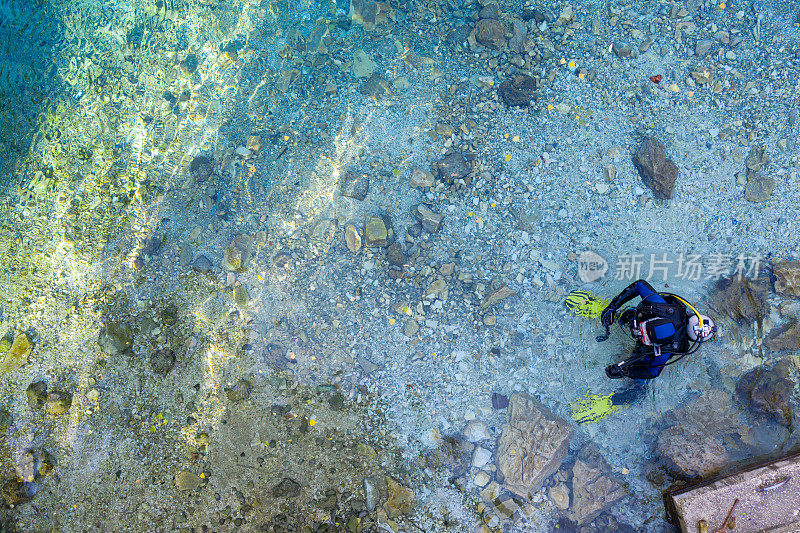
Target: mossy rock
<point x="17" y="355"/>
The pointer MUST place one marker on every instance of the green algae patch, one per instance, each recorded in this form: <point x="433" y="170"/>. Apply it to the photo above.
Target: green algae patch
<point x="17" y="355"/>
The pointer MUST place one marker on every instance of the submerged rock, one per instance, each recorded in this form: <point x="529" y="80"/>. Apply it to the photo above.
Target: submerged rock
<point x="201" y="168"/>
<point x="740" y="298"/>
<point x="594" y="487"/>
<point x="784" y="338"/>
<point x="759" y="187"/>
<point x="58" y="402"/>
<point x="14" y="493"/>
<point x="186" y="480"/>
<point x="452" y="166"/>
<point x="787" y="277"/>
<point x="421" y="178"/>
<point x="518" y="91"/>
<point x="237" y="254"/>
<point x="162" y="361"/>
<point x="287" y="488"/>
<point x="239" y="392"/>
<point x="689" y="451"/>
<point x="497" y="295"/>
<point x="202" y="264"/>
<point x="352" y="238"/>
<point x="376" y="232"/>
<point x="116" y="338"/>
<point x="400" y="499"/>
<point x="491" y="33"/>
<point x="354" y="185"/>
<point x="532" y="446"/>
<point x="658" y="171"/>
<point x="17" y="355"/>
<point x="767" y="390"/>
<point x="375" y="489"/>
<point x="431" y="221"/>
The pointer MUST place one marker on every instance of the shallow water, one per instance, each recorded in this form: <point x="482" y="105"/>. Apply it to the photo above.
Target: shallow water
<point x="210" y="237"/>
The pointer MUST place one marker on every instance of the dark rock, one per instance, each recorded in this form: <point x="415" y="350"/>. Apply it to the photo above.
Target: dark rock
<point x="460" y="34"/>
<point x="376" y="87"/>
<point x="5" y="420"/>
<point x="594" y="487"/>
<point x="757" y="158"/>
<point x="492" y="11"/>
<point x="518" y="91"/>
<point x="768" y="390"/>
<point x="415" y="230"/>
<point x="491" y="33"/>
<point x="162" y="361"/>
<point x="657" y="170"/>
<point x="430" y="220"/>
<point x="115" y="338"/>
<point x="702" y="47"/>
<point x="169" y="315"/>
<point x="37" y="394"/>
<point x="336" y="401"/>
<point x="14" y="493"/>
<point x="287" y="488"/>
<point x="395" y="255"/>
<point x="201" y="168"/>
<point x="499" y="401"/>
<point x="239" y="392"/>
<point x="740" y="299"/>
<point x="759" y="186"/>
<point x="532" y="431"/>
<point x="275" y="356"/>
<point x="202" y="264"/>
<point x="452" y="166"/>
<point x="189" y="64"/>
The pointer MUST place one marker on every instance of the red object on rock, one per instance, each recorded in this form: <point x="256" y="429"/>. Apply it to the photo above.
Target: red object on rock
<point x="656" y="79"/>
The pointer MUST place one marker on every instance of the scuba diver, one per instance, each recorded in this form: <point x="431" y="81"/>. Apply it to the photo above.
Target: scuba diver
<point x="666" y="329"/>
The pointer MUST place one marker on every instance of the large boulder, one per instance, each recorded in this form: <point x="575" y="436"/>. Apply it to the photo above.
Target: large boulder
<point x="594" y="487"/>
<point x="532" y="446"/>
<point x="768" y="390"/>
<point x="689" y="451"/>
<point x="491" y="33"/>
<point x="658" y="171"/>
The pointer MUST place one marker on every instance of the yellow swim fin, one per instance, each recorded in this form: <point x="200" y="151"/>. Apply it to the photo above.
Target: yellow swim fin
<point x="585" y="304"/>
<point x="593" y="408"/>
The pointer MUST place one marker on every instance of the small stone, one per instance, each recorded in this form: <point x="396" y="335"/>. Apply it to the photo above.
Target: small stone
<point x="14" y="493"/>
<point x="410" y="328"/>
<point x="476" y="431"/>
<point x="481" y="457"/>
<point x="254" y="143"/>
<point x="58" y="402"/>
<point x="452" y="166"/>
<point x="401" y="83"/>
<point x="287" y="488"/>
<point x="244" y="153"/>
<point x="189" y="64"/>
<point x="202" y="264"/>
<point x="352" y="238"/>
<point x="239" y="392"/>
<point x="565" y="16"/>
<point x="336" y="402"/>
<point x="757" y="158"/>
<point x="240" y="296"/>
<point x="395" y="255"/>
<point x="5" y="419"/>
<point x="363" y="66"/>
<point x="237" y="254"/>
<point x="374" y="492"/>
<point x="497" y="296"/>
<point x="421" y="178"/>
<point x="186" y="480"/>
<point x="491" y="33"/>
<point x="201" y="168"/>
<point x="499" y="401"/>
<point x="437" y="289"/>
<point x="701" y="76"/>
<point x="116" y="338"/>
<point x="491" y="11"/>
<point x="430" y="220"/>
<point x="162" y="361"/>
<point x="759" y="187"/>
<point x="375" y="232"/>
<point x="17" y="355"/>
<point x="559" y="495"/>
<point x="37" y="394"/>
<point x="702" y="47"/>
<point x="400" y="500"/>
<point x="622" y="50"/>
<point x="481" y="479"/>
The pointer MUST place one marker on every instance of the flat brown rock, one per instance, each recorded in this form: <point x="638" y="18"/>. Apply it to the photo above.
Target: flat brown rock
<point x="658" y="171"/>
<point x="533" y="445"/>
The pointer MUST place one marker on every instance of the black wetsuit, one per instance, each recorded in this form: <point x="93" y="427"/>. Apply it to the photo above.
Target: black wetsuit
<point x="664" y="320"/>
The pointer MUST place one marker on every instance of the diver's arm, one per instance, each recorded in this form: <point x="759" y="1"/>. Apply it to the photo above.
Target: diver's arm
<point x="637" y="288"/>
